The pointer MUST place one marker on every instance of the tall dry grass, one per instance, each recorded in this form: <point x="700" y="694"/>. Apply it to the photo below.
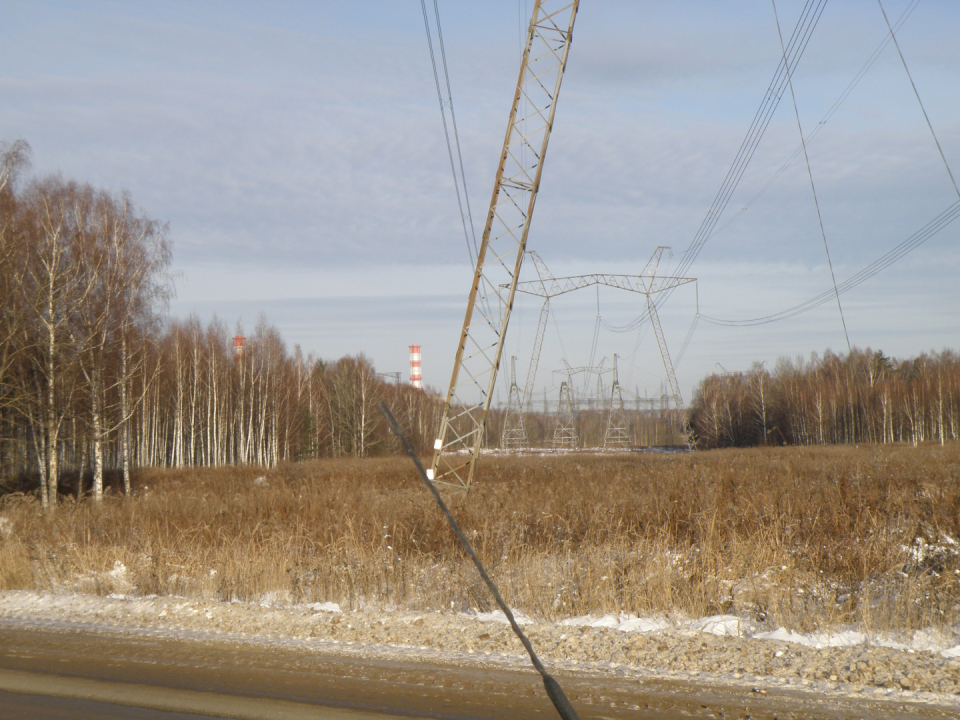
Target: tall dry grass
<point x="803" y="537"/>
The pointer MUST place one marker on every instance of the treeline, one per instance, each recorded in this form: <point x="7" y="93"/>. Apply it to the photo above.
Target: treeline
<point x="93" y="378"/>
<point x="863" y="396"/>
<point x="213" y="403"/>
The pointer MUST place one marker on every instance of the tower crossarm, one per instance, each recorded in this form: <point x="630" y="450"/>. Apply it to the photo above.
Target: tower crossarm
<point x="596" y="370"/>
<point x="643" y="284"/>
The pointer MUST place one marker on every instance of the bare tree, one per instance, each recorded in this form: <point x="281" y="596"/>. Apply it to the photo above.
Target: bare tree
<point x="121" y="254"/>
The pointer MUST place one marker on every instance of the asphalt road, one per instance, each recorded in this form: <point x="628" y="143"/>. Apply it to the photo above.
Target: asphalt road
<point x="76" y="674"/>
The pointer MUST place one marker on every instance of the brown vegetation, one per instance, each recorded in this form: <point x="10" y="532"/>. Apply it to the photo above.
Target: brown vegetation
<point x="800" y="537"/>
<point x="97" y="389"/>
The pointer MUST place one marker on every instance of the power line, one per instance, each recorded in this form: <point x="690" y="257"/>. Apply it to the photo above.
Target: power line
<point x="861" y="73"/>
<point x="911" y="243"/>
<point x="813" y="189"/>
<point x="791" y="56"/>
<point x="915" y="92"/>
<point x="596" y="330"/>
<point x="869" y="271"/>
<point x="466" y="216"/>
<point x="887" y="39"/>
<point x="686" y="340"/>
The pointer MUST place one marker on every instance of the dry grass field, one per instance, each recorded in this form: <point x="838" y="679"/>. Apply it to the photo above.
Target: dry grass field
<point x="800" y="537"/>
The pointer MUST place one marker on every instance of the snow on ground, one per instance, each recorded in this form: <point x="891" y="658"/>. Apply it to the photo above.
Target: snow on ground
<point x="734" y="626"/>
<point x="498" y="616"/>
<point x="946" y="644"/>
<point x="924" y="666"/>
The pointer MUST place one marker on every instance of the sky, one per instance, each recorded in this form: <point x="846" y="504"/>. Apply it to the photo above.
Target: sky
<point x="296" y="152"/>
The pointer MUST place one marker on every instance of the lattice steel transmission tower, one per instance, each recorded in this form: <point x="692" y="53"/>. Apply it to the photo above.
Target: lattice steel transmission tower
<point x="591" y="400"/>
<point x="514" y="434"/>
<point x="647" y="283"/>
<point x="503" y="243"/>
<point x="616" y="434"/>
<point x="545" y="277"/>
<point x="565" y="432"/>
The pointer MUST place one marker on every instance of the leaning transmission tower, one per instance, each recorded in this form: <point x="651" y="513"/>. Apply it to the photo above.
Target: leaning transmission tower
<point x="515" y="189"/>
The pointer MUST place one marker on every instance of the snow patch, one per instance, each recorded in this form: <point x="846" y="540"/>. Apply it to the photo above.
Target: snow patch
<point x="920" y="640"/>
<point x="275" y="598"/>
<point x="847" y="638"/>
<point x="118" y="580"/>
<point x="498" y="616"/>
<point x="117" y="608"/>
<point x="733" y="626"/>
<point x="326" y="607"/>
<point x="719" y="625"/>
<point x="608" y="621"/>
<point x="644" y="625"/>
<point x="6" y="526"/>
<point x="622" y="622"/>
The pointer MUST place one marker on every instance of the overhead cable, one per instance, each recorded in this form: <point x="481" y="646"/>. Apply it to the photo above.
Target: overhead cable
<point x="630" y="326"/>
<point x="882" y="263"/>
<point x="799" y="39"/>
<point x="466" y="216"/>
<point x="907" y="246"/>
<point x="861" y="73"/>
<point x="915" y="92"/>
<point x="813" y="189"/>
<point x="887" y="38"/>
<point x="795" y="47"/>
<point x="686" y="340"/>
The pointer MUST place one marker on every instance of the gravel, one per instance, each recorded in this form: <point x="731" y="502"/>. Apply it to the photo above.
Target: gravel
<point x="673" y="651"/>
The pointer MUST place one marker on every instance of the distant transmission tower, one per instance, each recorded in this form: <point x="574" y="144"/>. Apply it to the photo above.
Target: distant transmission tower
<point x="648" y="283"/>
<point x="616" y="434"/>
<point x="565" y="432"/>
<point x="514" y="434"/>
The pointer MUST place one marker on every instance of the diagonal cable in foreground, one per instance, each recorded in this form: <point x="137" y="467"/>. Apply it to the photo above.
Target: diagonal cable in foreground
<point x="554" y="691"/>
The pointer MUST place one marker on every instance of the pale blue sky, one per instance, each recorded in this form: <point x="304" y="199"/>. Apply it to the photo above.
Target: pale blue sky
<point x="296" y="151"/>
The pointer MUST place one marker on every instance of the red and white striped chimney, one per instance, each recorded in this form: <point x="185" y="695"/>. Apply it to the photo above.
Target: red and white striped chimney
<point x="415" y="379"/>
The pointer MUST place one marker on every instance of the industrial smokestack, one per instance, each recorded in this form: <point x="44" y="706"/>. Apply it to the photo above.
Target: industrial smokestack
<point x="415" y="379"/>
